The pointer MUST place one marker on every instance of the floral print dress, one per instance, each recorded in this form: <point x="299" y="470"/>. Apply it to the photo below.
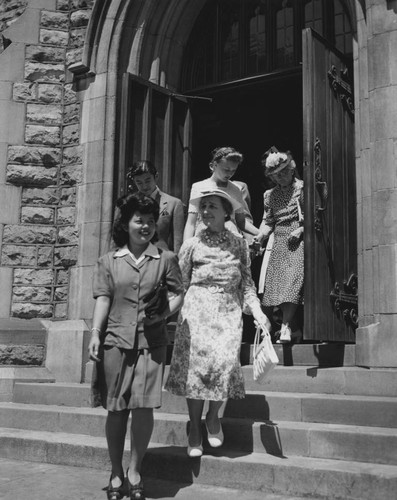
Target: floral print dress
<point x="206" y="359"/>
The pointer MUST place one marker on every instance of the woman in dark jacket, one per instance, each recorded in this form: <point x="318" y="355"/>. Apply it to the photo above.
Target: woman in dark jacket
<point x="135" y="288"/>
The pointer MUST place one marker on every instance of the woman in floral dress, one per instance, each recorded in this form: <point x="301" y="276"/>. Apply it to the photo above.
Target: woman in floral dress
<point x="216" y="273"/>
<point x="283" y="215"/>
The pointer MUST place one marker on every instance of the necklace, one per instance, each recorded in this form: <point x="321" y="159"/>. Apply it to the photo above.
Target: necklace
<point x="213" y="238"/>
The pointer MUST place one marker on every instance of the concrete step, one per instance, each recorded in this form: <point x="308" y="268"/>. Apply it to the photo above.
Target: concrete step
<point x="339" y="442"/>
<point x="9" y="375"/>
<point x="19" y="478"/>
<point x="307" y="379"/>
<point x="344" y="380"/>
<point x="304" y="476"/>
<point x="308" y="354"/>
<point x="327" y="408"/>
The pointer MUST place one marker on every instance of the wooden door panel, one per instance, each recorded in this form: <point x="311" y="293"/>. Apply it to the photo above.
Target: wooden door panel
<point x="330" y="212"/>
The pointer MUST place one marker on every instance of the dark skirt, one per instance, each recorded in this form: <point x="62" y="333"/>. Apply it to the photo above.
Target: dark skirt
<point x="126" y="379"/>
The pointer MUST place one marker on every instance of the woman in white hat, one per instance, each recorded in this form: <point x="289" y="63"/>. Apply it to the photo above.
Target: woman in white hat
<point x="205" y="365"/>
<point x="283" y="215"/>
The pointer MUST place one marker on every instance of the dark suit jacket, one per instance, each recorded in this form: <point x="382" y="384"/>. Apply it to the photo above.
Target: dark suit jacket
<point x="171" y="222"/>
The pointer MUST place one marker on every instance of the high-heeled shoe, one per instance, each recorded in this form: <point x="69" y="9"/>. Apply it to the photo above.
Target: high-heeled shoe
<point x="136" y="490"/>
<point x="115" y="493"/>
<point x="194" y="451"/>
<point x="215" y="440"/>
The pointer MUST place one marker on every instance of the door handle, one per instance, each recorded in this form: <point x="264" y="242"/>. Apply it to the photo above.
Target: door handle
<point x="323" y="191"/>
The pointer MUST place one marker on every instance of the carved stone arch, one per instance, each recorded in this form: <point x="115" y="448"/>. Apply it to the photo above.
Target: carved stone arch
<point x="156" y="54"/>
<point x="145" y="38"/>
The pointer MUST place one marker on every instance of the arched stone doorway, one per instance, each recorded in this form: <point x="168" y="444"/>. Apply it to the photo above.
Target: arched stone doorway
<point x="145" y="39"/>
<point x="241" y="84"/>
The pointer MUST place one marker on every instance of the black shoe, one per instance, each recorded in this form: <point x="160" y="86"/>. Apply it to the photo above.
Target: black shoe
<point x="115" y="493"/>
<point x="136" y="490"/>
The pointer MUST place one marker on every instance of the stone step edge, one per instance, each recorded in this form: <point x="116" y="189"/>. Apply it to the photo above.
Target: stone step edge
<point x="27" y="374"/>
<point x="301" y="476"/>
<point x="248" y="392"/>
<point x="178" y="417"/>
<point x="83" y="440"/>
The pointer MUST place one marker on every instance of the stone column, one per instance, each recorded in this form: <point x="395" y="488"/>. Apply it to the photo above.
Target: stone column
<point x="376" y="145"/>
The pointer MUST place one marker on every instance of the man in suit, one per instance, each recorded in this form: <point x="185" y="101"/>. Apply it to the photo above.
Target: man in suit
<point x="171" y="222"/>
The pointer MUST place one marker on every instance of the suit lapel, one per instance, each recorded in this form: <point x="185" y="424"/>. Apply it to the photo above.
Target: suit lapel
<point x="162" y="202"/>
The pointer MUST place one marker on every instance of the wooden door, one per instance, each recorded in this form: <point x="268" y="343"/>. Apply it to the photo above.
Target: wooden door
<point x="330" y="199"/>
<point x="155" y="125"/>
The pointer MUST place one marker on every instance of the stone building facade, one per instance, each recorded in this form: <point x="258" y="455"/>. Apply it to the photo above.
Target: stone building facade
<point x="60" y="104"/>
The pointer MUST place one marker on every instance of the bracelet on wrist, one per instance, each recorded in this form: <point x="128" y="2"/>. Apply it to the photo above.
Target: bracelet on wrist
<point x="94" y="329"/>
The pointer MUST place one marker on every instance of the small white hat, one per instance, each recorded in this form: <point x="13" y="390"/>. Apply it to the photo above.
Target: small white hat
<point x="214" y="192"/>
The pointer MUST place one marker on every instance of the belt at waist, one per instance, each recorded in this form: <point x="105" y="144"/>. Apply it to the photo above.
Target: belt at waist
<point x="213" y="288"/>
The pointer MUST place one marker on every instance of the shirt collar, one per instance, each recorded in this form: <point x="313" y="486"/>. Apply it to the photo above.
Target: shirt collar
<point x="155" y="193"/>
<point x="150" y="251"/>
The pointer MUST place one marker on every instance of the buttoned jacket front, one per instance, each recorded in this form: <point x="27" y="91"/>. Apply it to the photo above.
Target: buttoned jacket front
<point x="127" y="284"/>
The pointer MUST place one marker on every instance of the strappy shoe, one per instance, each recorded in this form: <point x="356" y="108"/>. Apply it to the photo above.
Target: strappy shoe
<point x="136" y="490"/>
<point x="115" y="493"/>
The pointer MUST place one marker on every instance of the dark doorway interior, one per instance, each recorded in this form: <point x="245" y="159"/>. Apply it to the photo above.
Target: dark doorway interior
<point x="250" y="116"/>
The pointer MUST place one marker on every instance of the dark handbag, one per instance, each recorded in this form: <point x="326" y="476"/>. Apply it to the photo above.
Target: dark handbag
<point x="157" y="299"/>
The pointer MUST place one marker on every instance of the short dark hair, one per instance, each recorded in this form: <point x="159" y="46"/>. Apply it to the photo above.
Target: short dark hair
<point x="127" y="206"/>
<point x="142" y="167"/>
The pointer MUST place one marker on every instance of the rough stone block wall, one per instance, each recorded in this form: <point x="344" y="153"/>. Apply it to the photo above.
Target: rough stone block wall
<point x="43" y="245"/>
<point x="10" y="10"/>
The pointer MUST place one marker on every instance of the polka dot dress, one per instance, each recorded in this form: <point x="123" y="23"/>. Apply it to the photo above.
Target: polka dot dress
<point x="284" y="277"/>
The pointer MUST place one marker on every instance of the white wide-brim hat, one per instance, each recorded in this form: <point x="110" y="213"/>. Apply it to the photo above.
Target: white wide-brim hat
<point x="213" y="192"/>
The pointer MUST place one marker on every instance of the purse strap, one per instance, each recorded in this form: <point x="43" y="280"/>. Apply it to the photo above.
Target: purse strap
<point x="257" y="339"/>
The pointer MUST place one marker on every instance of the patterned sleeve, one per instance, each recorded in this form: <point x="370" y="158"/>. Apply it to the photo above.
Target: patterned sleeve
<point x="186" y="262"/>
<point x="250" y="297"/>
<point x="268" y="216"/>
<point x="102" y="282"/>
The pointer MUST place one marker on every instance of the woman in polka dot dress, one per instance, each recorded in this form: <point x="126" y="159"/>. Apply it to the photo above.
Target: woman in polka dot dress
<point x="283" y="215"/>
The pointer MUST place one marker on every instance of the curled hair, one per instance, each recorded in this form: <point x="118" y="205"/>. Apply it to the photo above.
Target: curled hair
<point x="127" y="206"/>
<point x="228" y="153"/>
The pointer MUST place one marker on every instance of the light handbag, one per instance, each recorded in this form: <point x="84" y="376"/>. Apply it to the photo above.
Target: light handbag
<point x="265" y="357"/>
